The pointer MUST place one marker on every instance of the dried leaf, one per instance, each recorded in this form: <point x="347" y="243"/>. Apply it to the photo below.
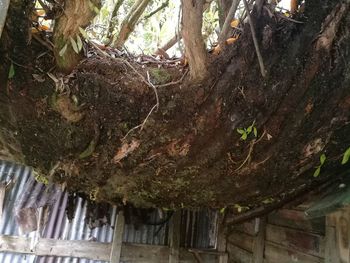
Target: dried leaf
<point x="231" y="40"/>
<point x="234" y="23"/>
<point x="217" y="50"/>
<point x="125" y="150"/>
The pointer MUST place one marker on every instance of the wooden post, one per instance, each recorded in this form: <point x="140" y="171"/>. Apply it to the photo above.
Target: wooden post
<point x="259" y="241"/>
<point x="2" y="197"/>
<point x="174" y="237"/>
<point x="116" y="247"/>
<point x="337" y="237"/>
<point x="222" y="241"/>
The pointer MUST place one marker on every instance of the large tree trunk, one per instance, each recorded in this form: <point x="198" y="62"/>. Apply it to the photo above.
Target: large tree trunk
<point x="188" y="153"/>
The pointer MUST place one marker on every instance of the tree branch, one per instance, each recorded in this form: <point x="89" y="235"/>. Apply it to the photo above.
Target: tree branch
<point x="129" y="22"/>
<point x="162" y="6"/>
<point x="226" y="27"/>
<point x="113" y="22"/>
<point x="3" y="13"/>
<point x="255" y="40"/>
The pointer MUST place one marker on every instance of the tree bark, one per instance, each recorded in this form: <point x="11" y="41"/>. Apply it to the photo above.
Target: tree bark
<point x="195" y="50"/>
<point x="129" y="22"/>
<point x="114" y="19"/>
<point x="189" y="152"/>
<point x="77" y="13"/>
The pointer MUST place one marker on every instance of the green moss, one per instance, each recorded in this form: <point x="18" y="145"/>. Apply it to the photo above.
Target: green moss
<point x="159" y="76"/>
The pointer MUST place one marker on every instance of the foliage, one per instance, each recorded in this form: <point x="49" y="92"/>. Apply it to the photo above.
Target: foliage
<point x="246" y="131"/>
<point x="11" y="72"/>
<point x="318" y="168"/>
<point x="346" y="156"/>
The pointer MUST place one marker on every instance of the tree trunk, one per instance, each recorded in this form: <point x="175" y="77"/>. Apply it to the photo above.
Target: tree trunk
<point x="197" y="149"/>
<point x="196" y="53"/>
<point x="77" y="13"/>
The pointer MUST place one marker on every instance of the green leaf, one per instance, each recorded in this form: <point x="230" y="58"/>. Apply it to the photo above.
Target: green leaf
<point x="222" y="210"/>
<point x="346" y="156"/>
<point x="74" y="45"/>
<point x="79" y="43"/>
<point x="240" y="131"/>
<point x="249" y="129"/>
<point x="96" y="10"/>
<point x="244" y="136"/>
<point x="255" y="132"/>
<point x="83" y="33"/>
<point x="63" y="50"/>
<point x="11" y="72"/>
<point x="317" y="171"/>
<point x="322" y="158"/>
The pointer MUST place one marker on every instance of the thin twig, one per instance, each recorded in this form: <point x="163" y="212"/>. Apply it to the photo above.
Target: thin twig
<point x="154" y="89"/>
<point x="173" y="82"/>
<point x="255" y="40"/>
<point x="141" y="126"/>
<point x="162" y="6"/>
<point x="251" y="148"/>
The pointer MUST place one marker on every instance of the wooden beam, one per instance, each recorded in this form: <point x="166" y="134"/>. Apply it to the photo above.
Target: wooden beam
<point x="174" y="237"/>
<point x="139" y="253"/>
<point x="54" y="247"/>
<point x="259" y="241"/>
<point x="222" y="242"/>
<point x="117" y="238"/>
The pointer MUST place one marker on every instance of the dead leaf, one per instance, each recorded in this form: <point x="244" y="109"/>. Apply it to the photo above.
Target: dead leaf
<point x="217" y="50"/>
<point x="231" y="40"/>
<point x="125" y="150"/>
<point x="234" y="23"/>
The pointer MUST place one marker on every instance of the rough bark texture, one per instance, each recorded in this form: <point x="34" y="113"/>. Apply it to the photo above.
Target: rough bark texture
<point x="189" y="153"/>
<point x="129" y="22"/>
<point x="192" y="14"/>
<point x="224" y="7"/>
<point x="77" y="13"/>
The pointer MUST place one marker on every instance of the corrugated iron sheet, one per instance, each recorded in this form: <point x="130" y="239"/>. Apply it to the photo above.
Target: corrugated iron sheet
<point x="25" y="192"/>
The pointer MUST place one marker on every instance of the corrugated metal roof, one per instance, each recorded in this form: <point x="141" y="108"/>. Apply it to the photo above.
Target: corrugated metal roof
<point x="26" y="192"/>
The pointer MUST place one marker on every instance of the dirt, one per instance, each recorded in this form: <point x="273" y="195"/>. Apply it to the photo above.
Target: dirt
<point x="187" y="152"/>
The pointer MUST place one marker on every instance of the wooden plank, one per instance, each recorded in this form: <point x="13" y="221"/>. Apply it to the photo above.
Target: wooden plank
<point x="174" y="237"/>
<point x="337" y="237"/>
<point x="275" y="253"/>
<point x="2" y="197"/>
<point x="130" y="253"/>
<point x="259" y="241"/>
<point x="116" y="246"/>
<point x="222" y="242"/>
<point x="241" y="240"/>
<point x="308" y="243"/>
<point x="239" y="255"/>
<point x="53" y="247"/>
<point x="297" y="219"/>
<point x="246" y="227"/>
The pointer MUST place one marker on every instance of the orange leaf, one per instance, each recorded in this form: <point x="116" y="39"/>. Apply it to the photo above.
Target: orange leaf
<point x="125" y="150"/>
<point x="231" y="40"/>
<point x="234" y="23"/>
<point x="217" y="50"/>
